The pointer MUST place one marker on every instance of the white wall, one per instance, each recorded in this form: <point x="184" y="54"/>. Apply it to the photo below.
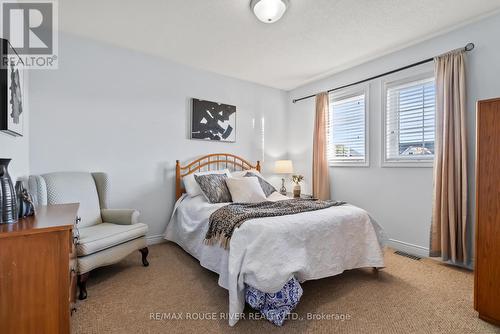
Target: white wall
<point x="399" y="198"/>
<point x="119" y="111"/>
<point x="126" y="113"/>
<point x="17" y="148"/>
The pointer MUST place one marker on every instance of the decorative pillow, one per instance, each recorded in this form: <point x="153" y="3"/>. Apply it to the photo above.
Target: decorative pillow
<point x="192" y="187"/>
<point x="214" y="187"/>
<point x="266" y="186"/>
<point x="245" y="190"/>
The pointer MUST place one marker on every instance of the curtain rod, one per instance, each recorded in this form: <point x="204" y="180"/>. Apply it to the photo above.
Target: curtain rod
<point x="468" y="47"/>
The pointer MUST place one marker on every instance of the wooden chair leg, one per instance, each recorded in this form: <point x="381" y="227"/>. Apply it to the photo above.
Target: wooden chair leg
<point x="144" y="252"/>
<point x="82" y="285"/>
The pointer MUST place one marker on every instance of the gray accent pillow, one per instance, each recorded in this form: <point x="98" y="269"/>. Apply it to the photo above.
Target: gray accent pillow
<point x="214" y="187"/>
<point x="266" y="186"/>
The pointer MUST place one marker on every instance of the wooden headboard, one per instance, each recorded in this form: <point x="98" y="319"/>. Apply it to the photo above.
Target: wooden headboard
<point x="214" y="161"/>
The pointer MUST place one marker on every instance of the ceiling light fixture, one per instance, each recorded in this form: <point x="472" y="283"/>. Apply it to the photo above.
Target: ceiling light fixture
<point x="269" y="11"/>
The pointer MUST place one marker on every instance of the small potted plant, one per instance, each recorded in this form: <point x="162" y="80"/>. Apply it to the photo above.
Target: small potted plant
<point x="296" y="188"/>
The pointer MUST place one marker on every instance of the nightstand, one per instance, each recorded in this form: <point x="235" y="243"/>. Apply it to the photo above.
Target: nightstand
<point x="301" y="195"/>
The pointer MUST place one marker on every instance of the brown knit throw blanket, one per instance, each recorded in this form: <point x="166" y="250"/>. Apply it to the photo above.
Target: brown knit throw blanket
<point x="225" y="220"/>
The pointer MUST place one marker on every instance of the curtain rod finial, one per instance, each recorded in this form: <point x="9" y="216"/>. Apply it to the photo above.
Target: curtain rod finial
<point x="469" y="47"/>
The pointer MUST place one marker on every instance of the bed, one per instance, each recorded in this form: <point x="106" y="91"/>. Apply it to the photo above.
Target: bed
<point x="266" y="253"/>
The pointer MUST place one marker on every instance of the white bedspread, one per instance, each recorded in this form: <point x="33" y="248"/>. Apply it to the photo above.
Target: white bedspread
<point x="266" y="252"/>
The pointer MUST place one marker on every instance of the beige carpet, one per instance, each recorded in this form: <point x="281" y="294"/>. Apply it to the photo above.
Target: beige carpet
<point x="406" y="297"/>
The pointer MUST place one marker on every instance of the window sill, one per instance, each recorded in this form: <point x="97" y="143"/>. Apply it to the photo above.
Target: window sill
<point x="408" y="164"/>
<point x="349" y="164"/>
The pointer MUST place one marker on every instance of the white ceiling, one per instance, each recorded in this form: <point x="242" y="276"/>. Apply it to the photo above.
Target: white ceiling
<point x="315" y="38"/>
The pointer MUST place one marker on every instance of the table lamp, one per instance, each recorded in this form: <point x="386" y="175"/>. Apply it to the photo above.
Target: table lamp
<point x="283" y="167"/>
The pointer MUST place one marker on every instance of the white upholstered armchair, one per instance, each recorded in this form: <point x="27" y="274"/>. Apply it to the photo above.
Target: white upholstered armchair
<point x="104" y="236"/>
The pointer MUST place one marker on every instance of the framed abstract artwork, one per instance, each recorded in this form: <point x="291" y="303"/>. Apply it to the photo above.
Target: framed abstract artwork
<point x="213" y="121"/>
<point x="12" y="91"/>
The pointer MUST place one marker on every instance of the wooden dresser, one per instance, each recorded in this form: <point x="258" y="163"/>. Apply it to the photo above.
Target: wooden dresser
<point x="37" y="272"/>
<point x="487" y="261"/>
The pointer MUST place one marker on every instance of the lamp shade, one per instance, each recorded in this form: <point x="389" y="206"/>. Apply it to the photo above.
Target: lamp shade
<point x="283" y="167"/>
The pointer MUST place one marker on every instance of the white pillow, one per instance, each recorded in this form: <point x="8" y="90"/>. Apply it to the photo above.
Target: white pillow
<point x="239" y="173"/>
<point x="245" y="190"/>
<point x="242" y="173"/>
<point x="192" y="187"/>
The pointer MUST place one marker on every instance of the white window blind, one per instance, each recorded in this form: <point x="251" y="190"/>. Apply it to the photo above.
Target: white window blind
<point x="410" y="116"/>
<point x="347" y="129"/>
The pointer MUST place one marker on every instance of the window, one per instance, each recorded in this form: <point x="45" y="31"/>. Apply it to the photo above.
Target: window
<point x="409" y="122"/>
<point x="347" y="129"/>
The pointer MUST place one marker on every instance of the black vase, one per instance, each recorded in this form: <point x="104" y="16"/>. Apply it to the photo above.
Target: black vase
<point x="8" y="198"/>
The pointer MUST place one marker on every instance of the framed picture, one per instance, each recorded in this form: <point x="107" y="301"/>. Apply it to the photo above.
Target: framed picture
<point x="12" y="91"/>
<point x="213" y="121"/>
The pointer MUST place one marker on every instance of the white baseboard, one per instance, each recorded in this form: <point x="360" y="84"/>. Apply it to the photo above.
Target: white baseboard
<point x="155" y="239"/>
<point x="409" y="248"/>
<point x="393" y="243"/>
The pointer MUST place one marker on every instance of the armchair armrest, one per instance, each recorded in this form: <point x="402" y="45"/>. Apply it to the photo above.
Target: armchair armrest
<point x="120" y="216"/>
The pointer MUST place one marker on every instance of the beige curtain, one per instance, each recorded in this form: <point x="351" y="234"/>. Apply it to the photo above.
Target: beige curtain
<point x="321" y="179"/>
<point x="449" y="213"/>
